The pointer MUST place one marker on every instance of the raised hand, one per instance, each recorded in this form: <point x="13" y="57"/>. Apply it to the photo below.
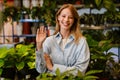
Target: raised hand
<point x="40" y="37"/>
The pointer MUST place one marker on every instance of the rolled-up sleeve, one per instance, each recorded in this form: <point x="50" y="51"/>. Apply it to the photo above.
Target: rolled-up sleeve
<point x="40" y="62"/>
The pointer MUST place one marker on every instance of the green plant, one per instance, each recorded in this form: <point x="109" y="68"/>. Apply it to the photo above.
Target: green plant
<point x="49" y="11"/>
<point x="108" y="4"/>
<point x="114" y="68"/>
<point x="12" y="12"/>
<point x="3" y="58"/>
<point x="94" y="35"/>
<point x="100" y="55"/>
<point x="110" y="16"/>
<point x="114" y="36"/>
<point x="24" y="56"/>
<point x="19" y="58"/>
<point x="68" y="76"/>
<point x="36" y="12"/>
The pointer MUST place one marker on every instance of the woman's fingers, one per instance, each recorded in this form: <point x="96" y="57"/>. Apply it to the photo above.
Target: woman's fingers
<point x="40" y="36"/>
<point x="42" y="30"/>
<point x="38" y="30"/>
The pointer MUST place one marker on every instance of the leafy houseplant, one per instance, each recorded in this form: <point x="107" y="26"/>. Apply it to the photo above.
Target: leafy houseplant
<point x="111" y="14"/>
<point x="49" y="11"/>
<point x="108" y="4"/>
<point x="36" y="12"/>
<point x="25" y="11"/>
<point x="22" y="57"/>
<point x="12" y="12"/>
<point x="68" y="76"/>
<point x="100" y="56"/>
<point x="114" y="36"/>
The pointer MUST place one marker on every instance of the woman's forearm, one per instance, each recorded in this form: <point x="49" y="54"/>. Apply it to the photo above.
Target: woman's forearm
<point x="38" y="45"/>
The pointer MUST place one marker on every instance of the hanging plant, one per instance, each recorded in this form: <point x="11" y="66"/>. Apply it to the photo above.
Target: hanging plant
<point x="11" y="12"/>
<point x="37" y="12"/>
<point x="108" y="4"/>
<point x="49" y="11"/>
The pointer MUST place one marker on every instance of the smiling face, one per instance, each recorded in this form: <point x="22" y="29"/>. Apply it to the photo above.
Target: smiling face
<point x="65" y="19"/>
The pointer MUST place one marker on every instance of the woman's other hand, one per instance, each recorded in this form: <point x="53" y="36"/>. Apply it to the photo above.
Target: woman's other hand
<point x="49" y="63"/>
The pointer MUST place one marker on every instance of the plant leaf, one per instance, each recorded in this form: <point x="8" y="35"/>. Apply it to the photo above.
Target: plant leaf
<point x="98" y="2"/>
<point x="90" y="78"/>
<point x="31" y="65"/>
<point x="3" y="52"/>
<point x="20" y="65"/>
<point x="57" y="72"/>
<point x="1" y="70"/>
<point x="1" y="62"/>
<point x="93" y="72"/>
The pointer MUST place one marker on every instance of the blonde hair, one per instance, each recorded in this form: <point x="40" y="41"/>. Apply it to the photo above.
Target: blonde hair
<point x="75" y="29"/>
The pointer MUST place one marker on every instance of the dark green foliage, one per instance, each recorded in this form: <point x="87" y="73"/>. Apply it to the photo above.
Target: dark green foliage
<point x="114" y="35"/>
<point x="68" y="76"/>
<point x="12" y="12"/>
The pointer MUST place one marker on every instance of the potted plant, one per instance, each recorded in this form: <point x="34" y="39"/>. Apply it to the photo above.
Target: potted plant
<point x="49" y="11"/>
<point x="12" y="12"/>
<point x="100" y="56"/>
<point x="21" y="59"/>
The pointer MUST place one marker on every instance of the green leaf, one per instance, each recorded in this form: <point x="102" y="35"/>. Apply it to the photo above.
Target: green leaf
<point x="109" y="5"/>
<point x="3" y="52"/>
<point x="19" y="46"/>
<point x="98" y="2"/>
<point x="31" y="65"/>
<point x="80" y="74"/>
<point x="93" y="72"/>
<point x="90" y="78"/>
<point x="57" y="72"/>
<point x="1" y="62"/>
<point x="1" y="70"/>
<point x="25" y="54"/>
<point x="20" y="65"/>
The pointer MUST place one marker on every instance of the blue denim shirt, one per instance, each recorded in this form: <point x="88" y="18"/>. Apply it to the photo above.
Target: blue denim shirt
<point x="74" y="56"/>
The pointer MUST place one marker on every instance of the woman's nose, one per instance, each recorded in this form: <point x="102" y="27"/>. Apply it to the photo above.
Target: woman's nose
<point x="66" y="19"/>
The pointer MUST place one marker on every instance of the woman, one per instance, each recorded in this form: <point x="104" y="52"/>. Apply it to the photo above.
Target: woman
<point x="67" y="49"/>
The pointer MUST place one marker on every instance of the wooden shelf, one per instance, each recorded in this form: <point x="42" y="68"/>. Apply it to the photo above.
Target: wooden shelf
<point x="23" y="35"/>
<point x="83" y="5"/>
<point x="26" y="35"/>
<point x="94" y="28"/>
<point x="100" y="27"/>
<point x="76" y="6"/>
<point x="113" y="25"/>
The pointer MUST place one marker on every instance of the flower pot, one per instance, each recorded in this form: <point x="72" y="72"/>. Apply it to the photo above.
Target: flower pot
<point x="26" y="3"/>
<point x="8" y="73"/>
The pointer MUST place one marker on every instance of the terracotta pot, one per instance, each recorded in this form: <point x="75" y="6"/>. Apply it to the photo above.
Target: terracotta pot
<point x="26" y="28"/>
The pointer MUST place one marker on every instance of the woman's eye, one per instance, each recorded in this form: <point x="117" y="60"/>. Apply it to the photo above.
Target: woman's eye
<point x="71" y="17"/>
<point x="63" y="16"/>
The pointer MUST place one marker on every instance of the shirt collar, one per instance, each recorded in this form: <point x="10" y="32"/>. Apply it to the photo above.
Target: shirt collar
<point x="58" y="37"/>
